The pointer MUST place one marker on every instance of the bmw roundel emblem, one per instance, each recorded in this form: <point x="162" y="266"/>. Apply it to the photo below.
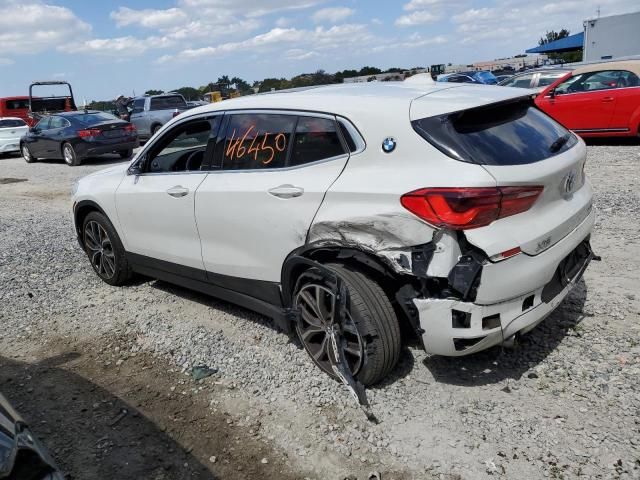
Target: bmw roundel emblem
<point x="389" y="145"/>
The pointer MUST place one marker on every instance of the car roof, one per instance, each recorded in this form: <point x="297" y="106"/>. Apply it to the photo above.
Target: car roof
<point x="357" y="101"/>
<point x="12" y="118"/>
<point x="631" y="65"/>
<point x="73" y="113"/>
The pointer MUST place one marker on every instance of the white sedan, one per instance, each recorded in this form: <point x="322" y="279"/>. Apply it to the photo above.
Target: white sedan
<point x="457" y="213"/>
<point x="11" y="130"/>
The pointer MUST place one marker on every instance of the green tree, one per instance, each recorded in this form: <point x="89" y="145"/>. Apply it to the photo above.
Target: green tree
<point x="562" y="57"/>
<point x="154" y="92"/>
<point x="552" y="36"/>
<point x="369" y="71"/>
<point x="189" y="93"/>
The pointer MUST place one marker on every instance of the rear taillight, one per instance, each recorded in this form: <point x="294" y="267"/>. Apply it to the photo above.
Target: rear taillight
<point x="131" y="128"/>
<point x="176" y="112"/>
<point x="466" y="208"/>
<point x="90" y="132"/>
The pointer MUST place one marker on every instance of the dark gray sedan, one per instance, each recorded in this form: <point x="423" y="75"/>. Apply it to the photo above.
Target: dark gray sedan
<point x="74" y="136"/>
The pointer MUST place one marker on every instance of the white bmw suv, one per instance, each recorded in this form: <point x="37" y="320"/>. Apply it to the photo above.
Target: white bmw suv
<point x="351" y="213"/>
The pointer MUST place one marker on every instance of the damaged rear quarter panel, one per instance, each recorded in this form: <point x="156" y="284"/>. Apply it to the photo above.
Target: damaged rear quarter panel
<point x="362" y="208"/>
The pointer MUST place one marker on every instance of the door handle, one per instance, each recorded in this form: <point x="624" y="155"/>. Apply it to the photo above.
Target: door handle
<point x="178" y="191"/>
<point x="607" y="100"/>
<point x="286" y="191"/>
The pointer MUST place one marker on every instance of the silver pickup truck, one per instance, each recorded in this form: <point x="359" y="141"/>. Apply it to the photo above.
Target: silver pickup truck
<point x="149" y="113"/>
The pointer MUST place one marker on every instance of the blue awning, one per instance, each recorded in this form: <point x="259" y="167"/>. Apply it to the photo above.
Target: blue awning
<point x="572" y="42"/>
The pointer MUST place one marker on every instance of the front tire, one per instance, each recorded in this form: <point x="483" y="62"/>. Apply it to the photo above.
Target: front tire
<point x="69" y="155"/>
<point x="26" y="154"/>
<point x="105" y="250"/>
<point x="371" y="329"/>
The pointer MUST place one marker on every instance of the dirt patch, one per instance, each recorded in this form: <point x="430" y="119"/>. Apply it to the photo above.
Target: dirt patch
<point x="7" y="180"/>
<point x="136" y="418"/>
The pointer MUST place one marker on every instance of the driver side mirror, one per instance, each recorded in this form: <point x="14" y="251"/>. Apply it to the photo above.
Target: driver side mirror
<point x="34" y="130"/>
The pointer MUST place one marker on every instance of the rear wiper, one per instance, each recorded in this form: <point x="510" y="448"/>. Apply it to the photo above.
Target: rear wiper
<point x="559" y="143"/>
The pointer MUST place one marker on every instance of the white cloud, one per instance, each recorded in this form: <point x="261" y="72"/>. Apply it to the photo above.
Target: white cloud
<point x="320" y="38"/>
<point x="249" y="8"/>
<point x="283" y="22"/>
<point x="517" y="22"/>
<point x="149" y="18"/>
<point x="332" y="15"/>
<point x="417" y="18"/>
<point x="34" y="26"/>
<point x="424" y="4"/>
<point x="376" y="21"/>
<point x="6" y="61"/>
<point x="300" y="54"/>
<point x="117" y="47"/>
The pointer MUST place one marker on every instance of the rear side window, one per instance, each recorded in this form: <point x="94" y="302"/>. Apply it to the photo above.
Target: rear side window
<point x="256" y="141"/>
<point x="316" y="139"/>
<point x="10" y="123"/>
<point x="168" y="102"/>
<point x="548" y="78"/>
<point x="523" y="81"/>
<point x="513" y="133"/>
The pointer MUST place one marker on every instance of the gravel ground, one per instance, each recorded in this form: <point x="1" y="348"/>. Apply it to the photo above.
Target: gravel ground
<point x="562" y="404"/>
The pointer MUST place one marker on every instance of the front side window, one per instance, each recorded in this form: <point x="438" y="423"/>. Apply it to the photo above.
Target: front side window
<point x="57" y="122"/>
<point x="257" y="141"/>
<point x="315" y="139"/>
<point x="589" y="82"/>
<point x="43" y="124"/>
<point x="138" y="106"/>
<point x="184" y="147"/>
<point x="628" y="79"/>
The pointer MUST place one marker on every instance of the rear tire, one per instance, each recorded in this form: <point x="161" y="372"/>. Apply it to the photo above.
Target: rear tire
<point x="105" y="250"/>
<point x="370" y="311"/>
<point x="69" y="155"/>
<point x="126" y="153"/>
<point x="26" y="154"/>
<point x="155" y="129"/>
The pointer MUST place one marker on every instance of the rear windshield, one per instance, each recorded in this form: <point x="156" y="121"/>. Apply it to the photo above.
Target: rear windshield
<point x="91" y="118"/>
<point x="166" y="103"/>
<point x="513" y="133"/>
<point x="17" y="104"/>
<point x="8" y="123"/>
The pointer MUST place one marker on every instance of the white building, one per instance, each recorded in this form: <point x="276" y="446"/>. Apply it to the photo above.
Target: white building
<point x="607" y="38"/>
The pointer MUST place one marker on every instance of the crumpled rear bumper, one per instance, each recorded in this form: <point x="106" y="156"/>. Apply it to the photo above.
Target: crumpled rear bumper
<point x="455" y="328"/>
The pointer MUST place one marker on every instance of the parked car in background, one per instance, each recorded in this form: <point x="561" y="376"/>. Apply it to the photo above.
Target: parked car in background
<point x="22" y="456"/>
<point x="149" y="113"/>
<point x="461" y="212"/>
<point x="482" y="77"/>
<point x="11" y="130"/>
<point x="597" y="100"/>
<point x="535" y="79"/>
<point x="502" y="78"/>
<point x="16" y="107"/>
<point x="74" y="136"/>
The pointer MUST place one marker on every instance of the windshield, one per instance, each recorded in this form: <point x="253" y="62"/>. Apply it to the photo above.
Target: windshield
<point x="10" y="122"/>
<point x="486" y="77"/>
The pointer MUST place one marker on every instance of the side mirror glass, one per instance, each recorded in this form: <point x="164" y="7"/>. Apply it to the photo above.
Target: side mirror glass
<point x="552" y="93"/>
<point x="34" y="130"/>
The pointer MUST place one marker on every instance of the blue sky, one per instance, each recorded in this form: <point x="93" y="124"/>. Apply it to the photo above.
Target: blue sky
<point x="105" y="47"/>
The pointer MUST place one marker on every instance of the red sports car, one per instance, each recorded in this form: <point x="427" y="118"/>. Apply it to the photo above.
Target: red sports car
<point x="598" y="100"/>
